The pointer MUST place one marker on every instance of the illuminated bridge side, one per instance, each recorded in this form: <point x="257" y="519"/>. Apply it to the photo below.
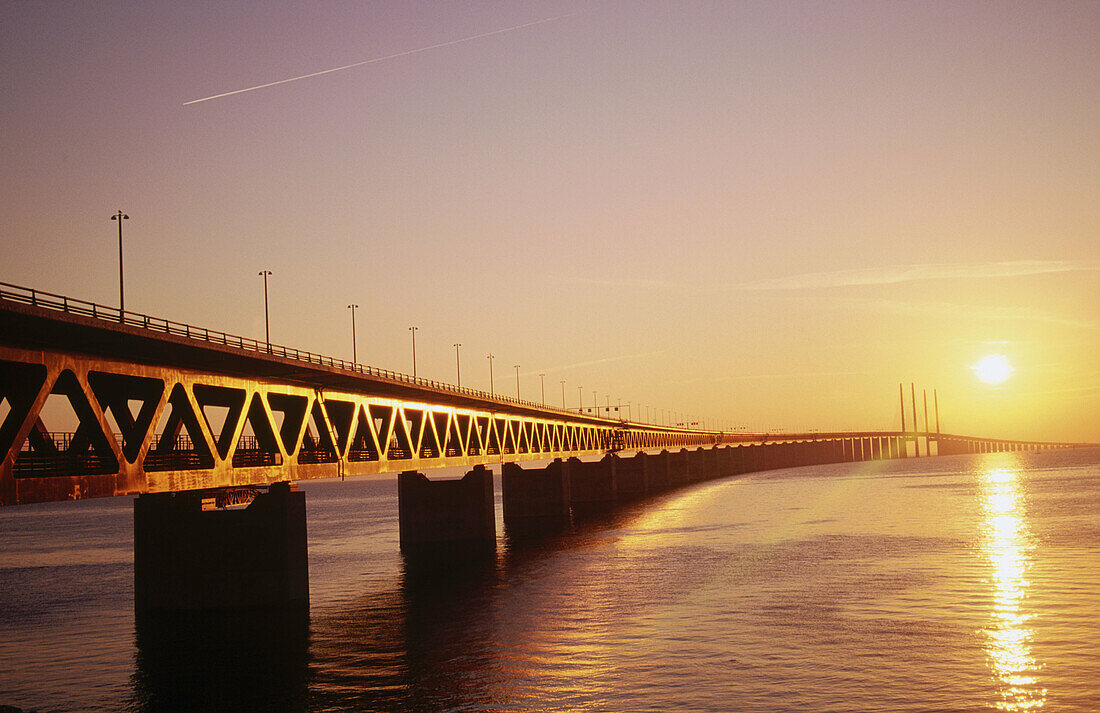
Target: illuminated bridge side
<point x="163" y="407"/>
<point x="146" y="429"/>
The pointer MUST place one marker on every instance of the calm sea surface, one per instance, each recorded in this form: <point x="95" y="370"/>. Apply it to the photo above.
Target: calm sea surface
<point x="962" y="583"/>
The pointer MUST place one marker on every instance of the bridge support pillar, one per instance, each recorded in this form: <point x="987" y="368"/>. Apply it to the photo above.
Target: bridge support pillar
<point x="190" y="560"/>
<point x="631" y="480"/>
<point x="698" y="463"/>
<point x="754" y="457"/>
<point x="739" y="460"/>
<point x="440" y="512"/>
<point x="727" y="465"/>
<point x="679" y="467"/>
<point x="592" y="486"/>
<point x="946" y="448"/>
<point x="657" y="471"/>
<point x="805" y="453"/>
<point x="535" y="500"/>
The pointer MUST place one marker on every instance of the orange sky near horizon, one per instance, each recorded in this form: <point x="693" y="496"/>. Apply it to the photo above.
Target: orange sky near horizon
<point x="759" y="214"/>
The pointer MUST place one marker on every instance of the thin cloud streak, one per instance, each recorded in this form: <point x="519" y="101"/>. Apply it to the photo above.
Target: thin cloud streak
<point x="605" y="360"/>
<point x="939" y="309"/>
<point x="915" y="273"/>
<point x="381" y="59"/>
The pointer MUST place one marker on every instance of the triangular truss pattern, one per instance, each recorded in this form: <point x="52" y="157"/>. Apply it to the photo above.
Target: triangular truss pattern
<point x="114" y="392"/>
<point x="507" y="440"/>
<point x="317" y="444"/>
<point x="364" y="444"/>
<point x="293" y="412"/>
<point x="493" y="445"/>
<point x="340" y="415"/>
<point x="522" y="444"/>
<point x="85" y="451"/>
<point x="479" y="437"/>
<point x="402" y="443"/>
<point x="383" y="422"/>
<point x="457" y="432"/>
<point x="20" y="384"/>
<point x="136" y="418"/>
<point x="172" y="450"/>
<point x="417" y="425"/>
<point x="440" y="428"/>
<point x="262" y="447"/>
<point x="231" y="400"/>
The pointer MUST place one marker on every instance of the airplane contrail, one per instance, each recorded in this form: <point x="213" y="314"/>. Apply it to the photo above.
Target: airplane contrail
<point x="381" y="59"/>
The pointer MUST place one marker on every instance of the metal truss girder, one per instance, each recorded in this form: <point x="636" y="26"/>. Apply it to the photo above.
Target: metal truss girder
<point x="270" y="431"/>
<point x="283" y="429"/>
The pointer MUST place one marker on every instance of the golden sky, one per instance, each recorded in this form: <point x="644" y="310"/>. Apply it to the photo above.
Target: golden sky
<point x="762" y="214"/>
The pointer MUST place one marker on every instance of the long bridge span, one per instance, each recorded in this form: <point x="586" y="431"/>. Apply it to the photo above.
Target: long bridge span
<point x="193" y="420"/>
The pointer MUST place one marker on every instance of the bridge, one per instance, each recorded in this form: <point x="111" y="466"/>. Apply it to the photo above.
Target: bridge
<point x="196" y="421"/>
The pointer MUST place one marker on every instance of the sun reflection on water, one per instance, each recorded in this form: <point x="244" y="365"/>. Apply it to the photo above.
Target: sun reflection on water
<point x="1007" y="545"/>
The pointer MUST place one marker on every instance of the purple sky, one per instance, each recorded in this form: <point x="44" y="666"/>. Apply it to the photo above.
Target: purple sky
<point x="765" y="214"/>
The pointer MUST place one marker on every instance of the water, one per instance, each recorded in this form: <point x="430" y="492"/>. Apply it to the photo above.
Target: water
<point x="957" y="583"/>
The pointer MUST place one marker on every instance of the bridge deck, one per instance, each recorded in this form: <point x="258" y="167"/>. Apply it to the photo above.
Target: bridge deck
<point x="164" y="406"/>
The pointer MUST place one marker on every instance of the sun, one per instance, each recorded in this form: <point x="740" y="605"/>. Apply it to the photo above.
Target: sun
<point x="993" y="369"/>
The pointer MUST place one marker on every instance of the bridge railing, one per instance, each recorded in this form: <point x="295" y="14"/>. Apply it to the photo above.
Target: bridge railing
<point x="70" y="305"/>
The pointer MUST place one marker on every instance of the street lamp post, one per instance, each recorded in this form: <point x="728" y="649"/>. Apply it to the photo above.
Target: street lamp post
<point x="267" y="319"/>
<point x="563" y="394"/>
<point x="580" y="400"/>
<point x="542" y="377"/>
<point x="517" y="380"/>
<point x="458" y="367"/>
<point x="354" y="354"/>
<point x="120" y="216"/>
<point x="490" y="358"/>
<point x="413" y="330"/>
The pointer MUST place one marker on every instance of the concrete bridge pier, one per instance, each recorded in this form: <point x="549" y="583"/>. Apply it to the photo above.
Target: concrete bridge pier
<point x="679" y="469"/>
<point x="770" y="453"/>
<point x="631" y="481"/>
<point x="704" y="465"/>
<point x="727" y="459"/>
<point x="760" y="456"/>
<point x="535" y="500"/>
<point x="593" y="487"/>
<point x="657" y="471"/>
<point x="739" y="460"/>
<point x="437" y="514"/>
<point x="188" y="560"/>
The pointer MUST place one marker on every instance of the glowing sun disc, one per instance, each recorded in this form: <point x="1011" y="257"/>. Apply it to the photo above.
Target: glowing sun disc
<point x="993" y="369"/>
